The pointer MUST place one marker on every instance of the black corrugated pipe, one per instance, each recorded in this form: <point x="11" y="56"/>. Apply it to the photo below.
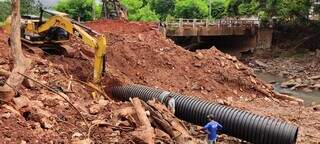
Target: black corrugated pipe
<point x="238" y="123"/>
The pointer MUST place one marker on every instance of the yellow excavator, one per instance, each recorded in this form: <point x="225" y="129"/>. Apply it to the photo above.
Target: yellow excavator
<point x="55" y="28"/>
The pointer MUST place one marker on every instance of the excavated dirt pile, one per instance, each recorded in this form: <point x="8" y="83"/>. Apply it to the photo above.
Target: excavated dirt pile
<point x="140" y="54"/>
<point x="137" y="54"/>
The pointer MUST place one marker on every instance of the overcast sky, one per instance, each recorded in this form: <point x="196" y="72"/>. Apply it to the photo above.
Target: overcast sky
<point x="48" y="3"/>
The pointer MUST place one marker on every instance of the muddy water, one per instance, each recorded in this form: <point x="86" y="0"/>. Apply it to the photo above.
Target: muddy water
<point x="308" y="97"/>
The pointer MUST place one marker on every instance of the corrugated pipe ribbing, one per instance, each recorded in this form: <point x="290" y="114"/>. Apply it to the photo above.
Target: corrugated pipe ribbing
<point x="238" y="123"/>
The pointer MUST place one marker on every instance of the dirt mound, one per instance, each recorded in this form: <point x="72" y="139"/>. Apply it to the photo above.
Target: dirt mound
<point x="145" y="56"/>
<point x="120" y="27"/>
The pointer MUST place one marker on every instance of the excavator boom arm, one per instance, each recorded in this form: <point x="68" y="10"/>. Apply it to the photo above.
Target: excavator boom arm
<point x="99" y="43"/>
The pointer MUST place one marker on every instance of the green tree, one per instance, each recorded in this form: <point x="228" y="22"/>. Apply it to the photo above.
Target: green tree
<point x="5" y="7"/>
<point x="29" y="7"/>
<point x="163" y="7"/>
<point x="293" y="10"/>
<point x="232" y="7"/>
<point x="217" y="9"/>
<point x="191" y="9"/>
<point x="78" y="8"/>
<point x="26" y="6"/>
<point x="140" y="10"/>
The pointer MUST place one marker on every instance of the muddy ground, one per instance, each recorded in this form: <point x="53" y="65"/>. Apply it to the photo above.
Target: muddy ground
<point x="137" y="54"/>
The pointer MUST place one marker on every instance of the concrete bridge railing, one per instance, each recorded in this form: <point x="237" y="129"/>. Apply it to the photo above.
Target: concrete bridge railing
<point x="207" y="27"/>
<point x="207" y="22"/>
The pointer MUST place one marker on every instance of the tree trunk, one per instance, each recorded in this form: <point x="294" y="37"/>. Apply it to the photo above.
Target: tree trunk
<point x="145" y="132"/>
<point x="7" y="92"/>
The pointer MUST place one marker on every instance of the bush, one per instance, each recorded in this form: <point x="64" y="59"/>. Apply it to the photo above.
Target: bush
<point x="217" y="9"/>
<point x="138" y="11"/>
<point x="191" y="9"/>
<point x="78" y="8"/>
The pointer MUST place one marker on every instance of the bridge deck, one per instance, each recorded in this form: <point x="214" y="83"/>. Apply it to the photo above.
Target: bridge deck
<point x="201" y="27"/>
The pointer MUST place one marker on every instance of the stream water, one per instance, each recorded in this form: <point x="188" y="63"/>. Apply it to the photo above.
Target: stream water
<point x="308" y="97"/>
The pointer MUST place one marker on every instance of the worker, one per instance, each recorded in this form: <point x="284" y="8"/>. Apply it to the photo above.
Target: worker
<point x="171" y="104"/>
<point x="211" y="129"/>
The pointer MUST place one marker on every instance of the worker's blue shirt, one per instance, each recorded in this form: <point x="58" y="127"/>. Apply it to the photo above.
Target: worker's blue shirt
<point x="212" y="127"/>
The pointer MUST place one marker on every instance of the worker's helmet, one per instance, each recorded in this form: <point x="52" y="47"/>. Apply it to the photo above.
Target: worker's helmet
<point x="210" y="117"/>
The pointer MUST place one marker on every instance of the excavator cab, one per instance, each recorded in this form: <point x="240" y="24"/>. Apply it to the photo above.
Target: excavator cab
<point x="31" y="23"/>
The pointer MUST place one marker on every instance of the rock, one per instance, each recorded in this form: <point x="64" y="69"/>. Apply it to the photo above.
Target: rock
<point x="199" y="56"/>
<point x="315" y="77"/>
<point x="124" y="123"/>
<point x="232" y="58"/>
<point x="85" y="141"/>
<point x="317" y="86"/>
<point x="261" y="64"/>
<point x="29" y="84"/>
<point x="253" y="80"/>
<point x="197" y="64"/>
<point x="21" y="102"/>
<point x="76" y="135"/>
<point x="237" y="66"/>
<point x="307" y="90"/>
<point x="294" y="102"/>
<point x="316" y="108"/>
<point x="298" y="80"/>
<point x="235" y="92"/>
<point x="289" y="83"/>
<point x="46" y="123"/>
<point x="228" y="101"/>
<point x="23" y="142"/>
<point x="103" y="103"/>
<point x="220" y="101"/>
<point x="6" y="115"/>
<point x="267" y="99"/>
<point x="94" y="109"/>
<point x="284" y="74"/>
<point x="35" y="125"/>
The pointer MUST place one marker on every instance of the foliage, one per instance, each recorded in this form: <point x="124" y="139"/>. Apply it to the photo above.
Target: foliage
<point x="163" y="7"/>
<point x="27" y="7"/>
<point x="78" y="8"/>
<point x="5" y="7"/>
<point x="217" y="9"/>
<point x="191" y="9"/>
<point x="294" y="11"/>
<point x="138" y="11"/>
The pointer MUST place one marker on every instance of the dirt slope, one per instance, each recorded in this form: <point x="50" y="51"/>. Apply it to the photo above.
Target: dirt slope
<point x="142" y="55"/>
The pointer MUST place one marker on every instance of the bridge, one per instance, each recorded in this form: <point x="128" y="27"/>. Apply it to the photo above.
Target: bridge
<point x="233" y="36"/>
<point x="205" y="27"/>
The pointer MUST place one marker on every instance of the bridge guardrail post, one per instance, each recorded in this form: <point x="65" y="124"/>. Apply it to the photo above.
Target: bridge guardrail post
<point x="180" y="22"/>
<point x="207" y="23"/>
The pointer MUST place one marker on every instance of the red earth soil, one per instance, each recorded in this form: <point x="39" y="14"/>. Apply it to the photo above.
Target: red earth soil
<point x="139" y="54"/>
